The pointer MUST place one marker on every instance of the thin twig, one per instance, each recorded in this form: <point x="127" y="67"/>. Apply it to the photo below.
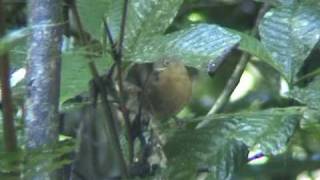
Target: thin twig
<point x="103" y="92"/>
<point x="309" y="75"/>
<point x="231" y="84"/>
<point x="114" y="138"/>
<point x="118" y="59"/>
<point x="120" y="48"/>
<point x="236" y="75"/>
<point x="119" y="54"/>
<point x="122" y="27"/>
<point x="110" y="38"/>
<point x="75" y="13"/>
<point x="10" y="138"/>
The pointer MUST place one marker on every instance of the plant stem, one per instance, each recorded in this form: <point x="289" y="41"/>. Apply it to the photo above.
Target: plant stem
<point x="236" y="75"/>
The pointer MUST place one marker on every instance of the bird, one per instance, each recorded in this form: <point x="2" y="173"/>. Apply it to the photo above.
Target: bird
<point x="168" y="88"/>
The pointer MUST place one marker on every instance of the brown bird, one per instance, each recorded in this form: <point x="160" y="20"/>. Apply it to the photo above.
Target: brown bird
<point x="168" y="88"/>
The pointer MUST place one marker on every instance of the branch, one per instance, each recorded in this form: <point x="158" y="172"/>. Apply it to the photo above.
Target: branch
<point x="9" y="131"/>
<point x="114" y="138"/>
<point x="117" y="54"/>
<point x="236" y="75"/>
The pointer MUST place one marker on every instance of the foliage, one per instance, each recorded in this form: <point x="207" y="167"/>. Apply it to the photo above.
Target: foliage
<point x="24" y="161"/>
<point x="197" y="46"/>
<point x="289" y="32"/>
<point x="9" y="41"/>
<point x="220" y="146"/>
<point x="75" y="62"/>
<point x="308" y="95"/>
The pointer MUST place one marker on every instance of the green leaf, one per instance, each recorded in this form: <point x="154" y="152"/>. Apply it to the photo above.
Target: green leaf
<point x="191" y="150"/>
<point x="309" y="95"/>
<point x="268" y="130"/>
<point x="12" y="39"/>
<point x="76" y="74"/>
<point x="47" y="159"/>
<point x="253" y="46"/>
<point x="91" y="14"/>
<point x="311" y="121"/>
<point x="145" y="18"/>
<point x="219" y="146"/>
<point x="290" y="33"/>
<point x="196" y="46"/>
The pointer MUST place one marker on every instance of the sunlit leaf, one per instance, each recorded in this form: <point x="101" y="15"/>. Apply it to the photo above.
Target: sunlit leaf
<point x="196" y="46"/>
<point x="290" y="33"/>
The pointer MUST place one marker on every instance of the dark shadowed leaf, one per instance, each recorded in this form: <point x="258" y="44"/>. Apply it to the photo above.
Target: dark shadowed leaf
<point x="309" y="95"/>
<point x="196" y="46"/>
<point x="145" y="18"/>
<point x="290" y="33"/>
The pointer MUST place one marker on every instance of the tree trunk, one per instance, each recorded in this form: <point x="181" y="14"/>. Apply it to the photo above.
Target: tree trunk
<point x="43" y="74"/>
